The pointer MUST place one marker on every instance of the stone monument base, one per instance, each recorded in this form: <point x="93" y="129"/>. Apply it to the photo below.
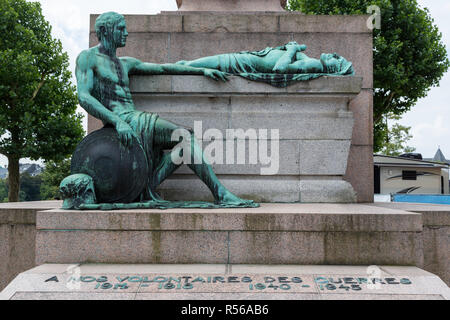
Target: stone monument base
<point x="225" y="282"/>
<point x="305" y="130"/>
<point x="313" y="234"/>
<point x="396" y="234"/>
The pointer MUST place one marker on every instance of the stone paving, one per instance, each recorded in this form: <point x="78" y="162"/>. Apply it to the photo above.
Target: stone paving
<point x="225" y="282"/>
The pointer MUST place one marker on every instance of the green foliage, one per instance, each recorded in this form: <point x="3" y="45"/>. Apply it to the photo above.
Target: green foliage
<point x="397" y="137"/>
<point x="3" y="190"/>
<point x="37" y="99"/>
<point x="30" y="187"/>
<point x="53" y="174"/>
<point x="409" y="56"/>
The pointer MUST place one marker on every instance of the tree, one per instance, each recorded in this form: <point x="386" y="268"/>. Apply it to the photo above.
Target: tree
<point x="30" y="187"/>
<point x="37" y="99"/>
<point x="397" y="136"/>
<point x="409" y="56"/>
<point x="53" y="174"/>
<point x="3" y="190"/>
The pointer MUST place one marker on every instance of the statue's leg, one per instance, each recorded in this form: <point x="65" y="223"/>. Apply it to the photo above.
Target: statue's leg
<point x="163" y="138"/>
<point x="165" y="169"/>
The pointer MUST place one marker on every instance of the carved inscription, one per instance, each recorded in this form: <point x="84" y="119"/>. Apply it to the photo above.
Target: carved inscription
<point x="232" y="283"/>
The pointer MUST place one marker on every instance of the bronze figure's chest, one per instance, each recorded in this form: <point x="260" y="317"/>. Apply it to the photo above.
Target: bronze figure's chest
<point x="111" y="70"/>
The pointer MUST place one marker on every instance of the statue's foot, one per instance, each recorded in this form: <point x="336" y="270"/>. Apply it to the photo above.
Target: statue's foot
<point x="230" y="200"/>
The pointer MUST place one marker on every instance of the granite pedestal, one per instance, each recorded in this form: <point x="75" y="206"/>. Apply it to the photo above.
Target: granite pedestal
<point x="291" y="234"/>
<point x="18" y="237"/>
<point x="308" y="157"/>
<point x="273" y="234"/>
<point x="436" y="235"/>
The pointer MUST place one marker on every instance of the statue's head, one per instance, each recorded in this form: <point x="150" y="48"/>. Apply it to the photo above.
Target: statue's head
<point x="335" y="64"/>
<point x="111" y="29"/>
<point x="76" y="190"/>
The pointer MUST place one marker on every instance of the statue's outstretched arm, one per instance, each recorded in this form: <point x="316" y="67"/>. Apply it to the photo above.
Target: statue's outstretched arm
<point x="211" y="62"/>
<point x="145" y="68"/>
<point x="85" y="83"/>
<point x="291" y="51"/>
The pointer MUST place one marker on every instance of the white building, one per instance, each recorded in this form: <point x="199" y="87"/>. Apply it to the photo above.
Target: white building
<point x="395" y="175"/>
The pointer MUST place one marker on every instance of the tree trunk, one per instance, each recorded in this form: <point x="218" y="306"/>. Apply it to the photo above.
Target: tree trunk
<point x="13" y="178"/>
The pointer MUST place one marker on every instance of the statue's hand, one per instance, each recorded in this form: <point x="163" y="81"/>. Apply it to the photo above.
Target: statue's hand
<point x="215" y="74"/>
<point x="296" y="46"/>
<point x="125" y="133"/>
<point x="282" y="64"/>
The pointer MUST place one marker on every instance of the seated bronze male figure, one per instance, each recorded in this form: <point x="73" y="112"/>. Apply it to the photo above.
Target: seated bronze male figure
<point x="103" y="91"/>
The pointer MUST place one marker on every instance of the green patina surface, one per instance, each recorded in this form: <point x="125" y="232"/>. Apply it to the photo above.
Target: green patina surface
<point x="163" y="205"/>
<point x="280" y="67"/>
<point x="103" y="91"/>
<point x="76" y="190"/>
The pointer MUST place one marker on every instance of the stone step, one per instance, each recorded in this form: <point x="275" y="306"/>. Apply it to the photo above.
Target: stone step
<point x="225" y="282"/>
<point x="312" y="234"/>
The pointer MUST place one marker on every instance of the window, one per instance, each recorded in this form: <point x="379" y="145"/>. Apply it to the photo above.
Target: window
<point x="409" y="175"/>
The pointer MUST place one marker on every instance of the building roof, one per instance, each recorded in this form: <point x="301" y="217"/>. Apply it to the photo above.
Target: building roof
<point x="382" y="160"/>
<point x="439" y="156"/>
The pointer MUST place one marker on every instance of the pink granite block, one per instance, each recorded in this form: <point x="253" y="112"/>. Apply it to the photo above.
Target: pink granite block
<point x="147" y="23"/>
<point x="437" y="251"/>
<point x="207" y="44"/>
<point x="230" y="23"/>
<point x="296" y="22"/>
<point x="360" y="172"/>
<point x="130" y="247"/>
<point x="374" y="248"/>
<point x="362" y="108"/>
<point x="94" y="124"/>
<point x="340" y="248"/>
<point x="276" y="248"/>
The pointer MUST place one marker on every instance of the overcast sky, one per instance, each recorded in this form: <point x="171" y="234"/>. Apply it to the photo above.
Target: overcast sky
<point x="429" y="119"/>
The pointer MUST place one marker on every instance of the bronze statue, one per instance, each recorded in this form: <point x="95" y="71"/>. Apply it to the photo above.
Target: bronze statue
<point x="103" y="91"/>
<point x="279" y="66"/>
<point x="125" y="161"/>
